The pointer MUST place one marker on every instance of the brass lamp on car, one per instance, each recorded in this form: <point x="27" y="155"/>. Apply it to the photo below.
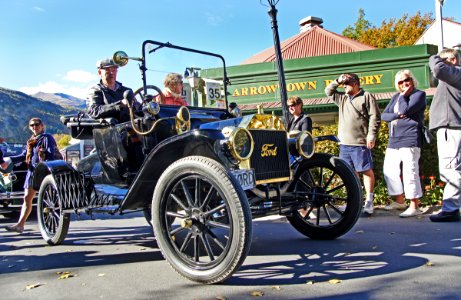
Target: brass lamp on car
<point x="301" y="143"/>
<point x="240" y="144"/>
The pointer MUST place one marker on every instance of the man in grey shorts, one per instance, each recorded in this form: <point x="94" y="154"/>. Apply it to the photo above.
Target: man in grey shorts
<point x="359" y="120"/>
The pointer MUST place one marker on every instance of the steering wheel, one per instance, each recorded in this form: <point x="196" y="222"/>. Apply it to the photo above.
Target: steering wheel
<point x="139" y="98"/>
<point x="143" y="100"/>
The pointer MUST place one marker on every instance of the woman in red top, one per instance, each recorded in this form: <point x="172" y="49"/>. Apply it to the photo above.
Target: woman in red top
<point x="173" y="90"/>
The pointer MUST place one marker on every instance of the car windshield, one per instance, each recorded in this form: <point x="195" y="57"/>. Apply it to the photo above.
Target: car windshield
<point x="202" y="72"/>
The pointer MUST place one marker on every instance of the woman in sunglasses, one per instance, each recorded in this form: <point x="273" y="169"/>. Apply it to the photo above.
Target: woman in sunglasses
<point x="405" y="117"/>
<point x="40" y="147"/>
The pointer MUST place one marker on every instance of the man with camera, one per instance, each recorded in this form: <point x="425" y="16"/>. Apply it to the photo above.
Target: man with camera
<point x="359" y="120"/>
<point x="445" y="118"/>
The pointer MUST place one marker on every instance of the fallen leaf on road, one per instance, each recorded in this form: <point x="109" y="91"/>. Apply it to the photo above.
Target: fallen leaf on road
<point x="33" y="285"/>
<point x="65" y="275"/>
<point x="277" y="287"/>
<point x="334" y="281"/>
<point x="101" y="274"/>
<point x="310" y="282"/>
<point x="257" y="294"/>
<point x="430" y="264"/>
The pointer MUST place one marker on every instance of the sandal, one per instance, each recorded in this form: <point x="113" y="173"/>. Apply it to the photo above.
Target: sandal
<point x="14" y="228"/>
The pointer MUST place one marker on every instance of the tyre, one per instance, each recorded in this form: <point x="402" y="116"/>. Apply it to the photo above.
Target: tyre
<point x="201" y="219"/>
<point x="332" y="197"/>
<point x="52" y="221"/>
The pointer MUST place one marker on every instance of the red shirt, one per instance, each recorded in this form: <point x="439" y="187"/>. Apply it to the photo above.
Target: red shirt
<point x="171" y="100"/>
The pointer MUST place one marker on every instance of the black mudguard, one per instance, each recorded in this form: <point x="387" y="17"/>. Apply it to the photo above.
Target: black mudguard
<point x="53" y="167"/>
<point x="192" y="143"/>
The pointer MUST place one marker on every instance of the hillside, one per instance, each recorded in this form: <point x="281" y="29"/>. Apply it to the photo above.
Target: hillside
<point x="62" y="100"/>
<point x="16" y="108"/>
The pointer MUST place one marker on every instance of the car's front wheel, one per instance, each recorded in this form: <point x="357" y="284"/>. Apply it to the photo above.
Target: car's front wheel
<point x="201" y="219"/>
<point x="52" y="221"/>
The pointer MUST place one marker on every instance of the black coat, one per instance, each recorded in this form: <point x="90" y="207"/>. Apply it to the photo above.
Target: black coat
<point x="303" y="123"/>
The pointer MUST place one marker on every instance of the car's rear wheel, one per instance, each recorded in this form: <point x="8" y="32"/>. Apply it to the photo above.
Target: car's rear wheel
<point x="332" y="197"/>
<point x="202" y="220"/>
<point x="52" y="221"/>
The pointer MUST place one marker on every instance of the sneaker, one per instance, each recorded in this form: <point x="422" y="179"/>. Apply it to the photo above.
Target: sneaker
<point x="395" y="205"/>
<point x="445" y="216"/>
<point x="368" y="208"/>
<point x="410" y="212"/>
<point x="14" y="228"/>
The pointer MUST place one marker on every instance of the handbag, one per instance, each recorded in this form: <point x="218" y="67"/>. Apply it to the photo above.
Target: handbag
<point x="427" y="135"/>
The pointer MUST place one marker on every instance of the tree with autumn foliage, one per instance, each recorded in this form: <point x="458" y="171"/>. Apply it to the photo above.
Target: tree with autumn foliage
<point x="395" y="32"/>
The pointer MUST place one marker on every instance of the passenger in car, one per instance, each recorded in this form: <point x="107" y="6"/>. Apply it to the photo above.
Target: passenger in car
<point x="172" y="94"/>
<point x="40" y="147"/>
<point x="105" y="99"/>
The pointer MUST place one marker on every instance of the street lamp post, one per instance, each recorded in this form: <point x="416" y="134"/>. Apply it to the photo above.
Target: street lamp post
<point x="439" y="20"/>
<point x="278" y="54"/>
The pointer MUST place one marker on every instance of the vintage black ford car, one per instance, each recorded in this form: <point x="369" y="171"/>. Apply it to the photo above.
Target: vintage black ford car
<point x="200" y="175"/>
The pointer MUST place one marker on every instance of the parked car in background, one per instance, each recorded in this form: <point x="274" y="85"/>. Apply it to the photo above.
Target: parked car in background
<point x="12" y="181"/>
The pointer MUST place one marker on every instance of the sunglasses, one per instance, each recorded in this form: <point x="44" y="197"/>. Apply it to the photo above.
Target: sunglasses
<point x="35" y="124"/>
<point x="292" y="105"/>
<point x="408" y="79"/>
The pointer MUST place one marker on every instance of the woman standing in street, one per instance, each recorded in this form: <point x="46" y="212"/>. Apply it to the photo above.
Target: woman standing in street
<point x="40" y="147"/>
<point x="405" y="117"/>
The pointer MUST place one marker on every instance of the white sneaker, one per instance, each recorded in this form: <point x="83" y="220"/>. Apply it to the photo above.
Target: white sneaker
<point x="368" y="208"/>
<point x="395" y="205"/>
<point x="410" y="212"/>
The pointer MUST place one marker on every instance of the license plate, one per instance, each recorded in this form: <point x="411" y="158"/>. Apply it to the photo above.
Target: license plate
<point x="246" y="178"/>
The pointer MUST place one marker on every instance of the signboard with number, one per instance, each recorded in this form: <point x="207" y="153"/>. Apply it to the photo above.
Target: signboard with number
<point x="213" y="91"/>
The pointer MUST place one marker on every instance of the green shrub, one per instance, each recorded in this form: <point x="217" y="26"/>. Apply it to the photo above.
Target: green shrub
<point x="62" y="140"/>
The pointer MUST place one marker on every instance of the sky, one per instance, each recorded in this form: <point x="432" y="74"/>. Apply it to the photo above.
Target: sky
<point x="52" y="45"/>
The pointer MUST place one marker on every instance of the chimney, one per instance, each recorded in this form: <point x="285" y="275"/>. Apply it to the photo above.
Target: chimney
<point x="309" y="22"/>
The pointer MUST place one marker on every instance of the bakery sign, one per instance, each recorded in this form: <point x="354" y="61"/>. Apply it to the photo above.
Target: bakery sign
<point x="314" y="86"/>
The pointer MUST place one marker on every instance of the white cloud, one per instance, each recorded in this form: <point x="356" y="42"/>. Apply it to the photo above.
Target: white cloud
<point x="77" y="83"/>
<point x="80" y="76"/>
<point x="213" y="19"/>
<point x="54" y="87"/>
<point x="38" y="9"/>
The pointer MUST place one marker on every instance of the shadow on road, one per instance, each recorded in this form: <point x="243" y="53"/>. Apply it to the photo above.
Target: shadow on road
<point x="279" y="255"/>
<point x="375" y="246"/>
